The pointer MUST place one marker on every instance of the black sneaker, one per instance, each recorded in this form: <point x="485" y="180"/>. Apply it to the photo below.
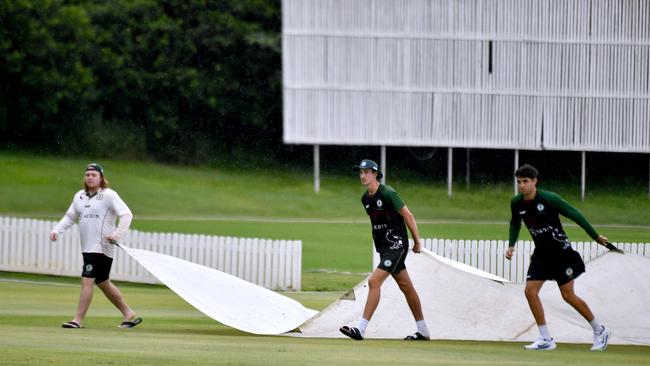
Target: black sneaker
<point x="416" y="337"/>
<point x="351" y="332"/>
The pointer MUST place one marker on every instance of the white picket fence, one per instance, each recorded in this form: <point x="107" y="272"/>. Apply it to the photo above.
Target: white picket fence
<point x="274" y="264"/>
<point x="488" y="255"/>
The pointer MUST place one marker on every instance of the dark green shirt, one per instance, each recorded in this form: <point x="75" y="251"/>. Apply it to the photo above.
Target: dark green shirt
<point x="388" y="226"/>
<point x="542" y="218"/>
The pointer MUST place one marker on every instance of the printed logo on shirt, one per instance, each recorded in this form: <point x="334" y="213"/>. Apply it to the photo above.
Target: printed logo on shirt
<point x="367" y="206"/>
<point x="379" y="203"/>
<point x="100" y="197"/>
<point x="569" y="272"/>
<point x="540" y="207"/>
<point x="388" y="263"/>
<point x="522" y="212"/>
<point x="380" y="226"/>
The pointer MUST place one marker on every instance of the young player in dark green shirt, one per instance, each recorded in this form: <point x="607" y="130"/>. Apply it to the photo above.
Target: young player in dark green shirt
<point x="389" y="218"/>
<point x="553" y="257"/>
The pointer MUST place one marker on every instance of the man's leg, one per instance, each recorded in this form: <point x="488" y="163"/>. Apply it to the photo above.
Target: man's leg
<point x="572" y="299"/>
<point x="374" y="292"/>
<point x="406" y="285"/>
<point x="113" y="294"/>
<point x="404" y="282"/>
<point x="85" y="297"/>
<point x="545" y="342"/>
<point x="535" y="304"/>
<point x="601" y="334"/>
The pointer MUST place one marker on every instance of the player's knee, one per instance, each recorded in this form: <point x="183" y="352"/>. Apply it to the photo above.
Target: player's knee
<point x="406" y="287"/>
<point x="374" y="283"/>
<point x="568" y="297"/>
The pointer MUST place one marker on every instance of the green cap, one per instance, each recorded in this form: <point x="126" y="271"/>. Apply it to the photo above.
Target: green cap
<point x="96" y="167"/>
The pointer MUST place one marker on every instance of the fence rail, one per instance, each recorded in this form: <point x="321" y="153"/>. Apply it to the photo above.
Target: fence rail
<point x="274" y="264"/>
<point x="488" y="255"/>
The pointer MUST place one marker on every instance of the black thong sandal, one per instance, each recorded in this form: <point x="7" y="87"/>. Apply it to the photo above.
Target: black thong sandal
<point x="416" y="337"/>
<point x="130" y="323"/>
<point x="71" y="325"/>
<point x="351" y="332"/>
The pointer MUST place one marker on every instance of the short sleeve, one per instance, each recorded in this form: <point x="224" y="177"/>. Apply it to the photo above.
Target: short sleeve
<point x="394" y="198"/>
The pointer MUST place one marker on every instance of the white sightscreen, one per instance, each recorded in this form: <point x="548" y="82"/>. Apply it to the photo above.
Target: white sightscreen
<point x="552" y="74"/>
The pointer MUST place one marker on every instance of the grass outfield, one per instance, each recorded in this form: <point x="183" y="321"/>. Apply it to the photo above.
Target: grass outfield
<point x="174" y="333"/>
<point x="277" y="204"/>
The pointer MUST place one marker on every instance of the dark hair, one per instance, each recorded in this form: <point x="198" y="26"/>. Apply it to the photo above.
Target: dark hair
<point x="527" y="171"/>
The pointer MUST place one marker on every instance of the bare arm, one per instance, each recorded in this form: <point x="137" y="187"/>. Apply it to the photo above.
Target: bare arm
<point x="409" y="219"/>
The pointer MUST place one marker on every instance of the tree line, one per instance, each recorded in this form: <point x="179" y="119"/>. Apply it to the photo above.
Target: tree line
<point x="171" y="80"/>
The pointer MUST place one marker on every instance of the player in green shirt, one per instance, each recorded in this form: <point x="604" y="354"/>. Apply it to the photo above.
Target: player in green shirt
<point x="553" y="257"/>
<point x="389" y="218"/>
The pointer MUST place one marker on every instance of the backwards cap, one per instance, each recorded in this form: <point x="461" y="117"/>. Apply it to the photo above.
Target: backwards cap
<point x="96" y="167"/>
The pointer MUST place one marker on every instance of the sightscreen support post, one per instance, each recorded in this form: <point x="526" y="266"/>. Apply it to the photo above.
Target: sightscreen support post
<point x="450" y="168"/>
<point x="383" y="163"/>
<point x="513" y="172"/>
<point x="583" y="175"/>
<point x="316" y="168"/>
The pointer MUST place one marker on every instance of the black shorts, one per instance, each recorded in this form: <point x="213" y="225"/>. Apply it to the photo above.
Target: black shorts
<point x="97" y="266"/>
<point x="561" y="266"/>
<point x="393" y="261"/>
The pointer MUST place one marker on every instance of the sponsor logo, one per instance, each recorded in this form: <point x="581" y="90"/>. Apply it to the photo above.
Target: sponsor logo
<point x="535" y="232"/>
<point x="379" y="203"/>
<point x="90" y="216"/>
<point x="540" y="207"/>
<point x="569" y="272"/>
<point x="388" y="263"/>
<point x="380" y="226"/>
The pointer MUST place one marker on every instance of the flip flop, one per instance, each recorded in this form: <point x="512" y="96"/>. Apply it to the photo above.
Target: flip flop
<point x="416" y="337"/>
<point x="71" y="325"/>
<point x="130" y="323"/>
<point x="351" y="332"/>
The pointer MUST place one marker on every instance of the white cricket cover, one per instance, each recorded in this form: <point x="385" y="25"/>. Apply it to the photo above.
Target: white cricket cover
<point x="223" y="297"/>
<point x="468" y="305"/>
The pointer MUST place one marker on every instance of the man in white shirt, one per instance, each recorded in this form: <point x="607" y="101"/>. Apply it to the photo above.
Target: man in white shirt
<point x="96" y="208"/>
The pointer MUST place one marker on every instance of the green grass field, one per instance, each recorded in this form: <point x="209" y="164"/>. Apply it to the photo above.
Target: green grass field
<point x="281" y="204"/>
<point x="265" y="203"/>
<point x="174" y="333"/>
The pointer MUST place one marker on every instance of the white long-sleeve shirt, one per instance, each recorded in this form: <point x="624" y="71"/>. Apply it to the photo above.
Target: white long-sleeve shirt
<point x="97" y="215"/>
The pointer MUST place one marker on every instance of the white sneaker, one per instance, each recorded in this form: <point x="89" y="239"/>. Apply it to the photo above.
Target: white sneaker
<point x="600" y="340"/>
<point x="542" y="344"/>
